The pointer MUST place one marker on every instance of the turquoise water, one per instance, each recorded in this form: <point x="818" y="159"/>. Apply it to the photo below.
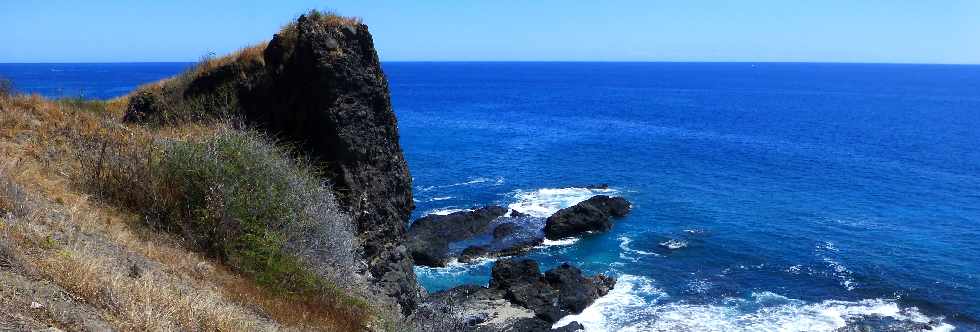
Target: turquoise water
<point x="766" y="196"/>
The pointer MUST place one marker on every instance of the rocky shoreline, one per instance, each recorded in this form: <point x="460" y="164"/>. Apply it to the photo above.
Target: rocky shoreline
<point x="493" y="231"/>
<point x="519" y="297"/>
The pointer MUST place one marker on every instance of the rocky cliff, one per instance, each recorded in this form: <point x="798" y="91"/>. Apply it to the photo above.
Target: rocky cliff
<point x="324" y="87"/>
<point x="318" y="84"/>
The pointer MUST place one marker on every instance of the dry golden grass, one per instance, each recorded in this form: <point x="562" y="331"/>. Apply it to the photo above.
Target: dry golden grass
<point x="86" y="246"/>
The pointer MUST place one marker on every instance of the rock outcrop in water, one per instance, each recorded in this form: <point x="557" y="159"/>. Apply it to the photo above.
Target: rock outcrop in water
<point x="520" y="298"/>
<point x="429" y="237"/>
<point x="592" y="215"/>
<point x="490" y="232"/>
<point x="469" y="235"/>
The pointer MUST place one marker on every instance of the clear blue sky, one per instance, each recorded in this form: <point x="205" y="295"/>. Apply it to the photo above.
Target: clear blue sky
<point x="676" y="30"/>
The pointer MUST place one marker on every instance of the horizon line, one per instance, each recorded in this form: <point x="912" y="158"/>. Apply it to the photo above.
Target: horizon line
<point x="554" y="61"/>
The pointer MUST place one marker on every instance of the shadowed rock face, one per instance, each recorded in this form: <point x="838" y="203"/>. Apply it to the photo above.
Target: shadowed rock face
<point x="324" y="88"/>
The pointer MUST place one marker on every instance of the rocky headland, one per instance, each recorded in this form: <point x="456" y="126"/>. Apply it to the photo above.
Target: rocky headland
<point x="318" y="83"/>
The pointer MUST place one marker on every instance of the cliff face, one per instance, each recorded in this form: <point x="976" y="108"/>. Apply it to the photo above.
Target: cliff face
<point x="323" y="87"/>
<point x="318" y="83"/>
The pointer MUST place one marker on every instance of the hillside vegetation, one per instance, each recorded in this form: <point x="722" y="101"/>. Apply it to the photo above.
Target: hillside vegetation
<point x="162" y="210"/>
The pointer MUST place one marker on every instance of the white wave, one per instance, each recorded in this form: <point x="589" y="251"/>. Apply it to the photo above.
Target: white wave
<point x="827" y="246"/>
<point x="560" y="242"/>
<point x="445" y="211"/>
<point x="842" y="274"/>
<point x="472" y="181"/>
<point x="453" y="267"/>
<point x="825" y="251"/>
<point x="629" y="296"/>
<point x="624" y="244"/>
<point x="469" y="182"/>
<point x="673" y="244"/>
<point x="636" y="305"/>
<point x="699" y="286"/>
<point x="440" y="198"/>
<point x="545" y="202"/>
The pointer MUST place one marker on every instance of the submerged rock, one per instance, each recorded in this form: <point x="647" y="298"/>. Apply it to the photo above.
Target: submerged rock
<point x="519" y="298"/>
<point x="592" y="215"/>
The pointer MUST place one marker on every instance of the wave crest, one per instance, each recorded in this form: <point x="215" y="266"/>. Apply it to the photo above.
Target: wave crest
<point x="635" y="304"/>
<point x="543" y="203"/>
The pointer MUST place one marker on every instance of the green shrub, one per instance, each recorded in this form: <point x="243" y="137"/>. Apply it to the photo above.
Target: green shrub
<point x="239" y="197"/>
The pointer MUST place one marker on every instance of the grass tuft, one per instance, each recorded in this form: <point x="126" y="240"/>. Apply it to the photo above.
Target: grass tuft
<point x="6" y="87"/>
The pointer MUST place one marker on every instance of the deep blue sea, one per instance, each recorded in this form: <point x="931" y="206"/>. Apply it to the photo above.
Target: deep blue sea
<point x="766" y="196"/>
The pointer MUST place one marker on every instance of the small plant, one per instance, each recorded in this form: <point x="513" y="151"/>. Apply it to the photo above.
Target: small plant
<point x="6" y="87"/>
<point x="83" y="104"/>
<point x="49" y="243"/>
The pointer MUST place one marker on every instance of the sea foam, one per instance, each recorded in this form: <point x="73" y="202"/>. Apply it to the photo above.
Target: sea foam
<point x="543" y="203"/>
<point x="446" y="211"/>
<point x="635" y="304"/>
<point x="624" y="244"/>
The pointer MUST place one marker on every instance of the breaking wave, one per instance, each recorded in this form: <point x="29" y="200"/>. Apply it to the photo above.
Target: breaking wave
<point x="673" y="244"/>
<point x="445" y="211"/>
<point x="543" y="203"/>
<point x="624" y="244"/>
<point x="478" y="180"/>
<point x="635" y="304"/>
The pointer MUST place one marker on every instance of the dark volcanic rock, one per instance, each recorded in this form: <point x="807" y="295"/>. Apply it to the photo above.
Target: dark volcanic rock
<point x="471" y="253"/>
<point x="504" y="230"/>
<point x="575" y="291"/>
<point x="571" y="327"/>
<point x="318" y="84"/>
<point x="592" y="215"/>
<point x="519" y="298"/>
<point x="429" y="237"/>
<point x="517" y="214"/>
<point x="327" y="91"/>
<point x="559" y="292"/>
<point x="322" y="87"/>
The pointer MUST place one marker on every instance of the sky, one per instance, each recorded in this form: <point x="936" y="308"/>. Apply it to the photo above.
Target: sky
<point x="893" y="31"/>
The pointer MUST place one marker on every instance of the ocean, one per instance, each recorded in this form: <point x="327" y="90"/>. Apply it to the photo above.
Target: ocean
<point x="766" y="196"/>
